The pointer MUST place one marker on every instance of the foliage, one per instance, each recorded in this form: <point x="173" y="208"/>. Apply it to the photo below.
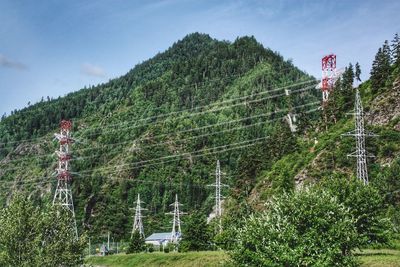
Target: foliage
<point x="386" y="59"/>
<point x="111" y="123"/>
<point x="365" y="204"/>
<point x="30" y="237"/>
<point x="307" y="228"/>
<point x="136" y="243"/>
<point x="197" y="235"/>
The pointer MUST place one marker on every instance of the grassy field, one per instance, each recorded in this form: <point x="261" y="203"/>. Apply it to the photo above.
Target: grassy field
<point x="196" y="259"/>
<point x="379" y="258"/>
<point x="368" y="258"/>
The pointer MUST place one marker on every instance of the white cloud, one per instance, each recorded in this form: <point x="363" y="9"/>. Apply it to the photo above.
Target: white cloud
<point x="8" y="63"/>
<point x="92" y="70"/>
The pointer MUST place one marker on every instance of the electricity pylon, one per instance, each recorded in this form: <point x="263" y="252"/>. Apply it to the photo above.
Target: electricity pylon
<point x="176" y="221"/>
<point x="360" y="133"/>
<point x="63" y="193"/>
<point x="137" y="221"/>
<point x="218" y="196"/>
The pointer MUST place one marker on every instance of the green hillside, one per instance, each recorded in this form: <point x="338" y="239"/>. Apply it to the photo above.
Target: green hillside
<point x="159" y="129"/>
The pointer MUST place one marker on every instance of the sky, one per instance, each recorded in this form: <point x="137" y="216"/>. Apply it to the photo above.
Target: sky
<point x="53" y="47"/>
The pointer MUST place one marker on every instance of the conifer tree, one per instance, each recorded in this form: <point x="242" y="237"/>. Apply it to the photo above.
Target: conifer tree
<point x="381" y="68"/>
<point x="348" y="77"/>
<point x="375" y="70"/>
<point x="136" y="244"/>
<point x="395" y="51"/>
<point x="358" y="72"/>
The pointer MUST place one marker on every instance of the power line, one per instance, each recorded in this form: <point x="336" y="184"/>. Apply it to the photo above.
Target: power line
<point x="208" y="153"/>
<point x="208" y="105"/>
<point x="190" y="138"/>
<point x="180" y="111"/>
<point x="194" y="154"/>
<point x="182" y="131"/>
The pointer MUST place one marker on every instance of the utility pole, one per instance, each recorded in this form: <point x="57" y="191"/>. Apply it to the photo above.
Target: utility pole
<point x="63" y="193"/>
<point x="137" y="221"/>
<point x="176" y="221"/>
<point x="360" y="133"/>
<point x="108" y="241"/>
<point x="218" y="197"/>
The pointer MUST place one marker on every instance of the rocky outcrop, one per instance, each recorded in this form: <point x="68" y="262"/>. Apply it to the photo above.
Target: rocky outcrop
<point x="385" y="108"/>
<point x="23" y="150"/>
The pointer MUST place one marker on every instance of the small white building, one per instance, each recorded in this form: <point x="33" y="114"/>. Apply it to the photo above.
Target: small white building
<point x="161" y="239"/>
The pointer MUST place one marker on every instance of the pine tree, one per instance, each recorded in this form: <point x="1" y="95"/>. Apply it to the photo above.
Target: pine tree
<point x="358" y="72"/>
<point x="348" y="77"/>
<point x="375" y="70"/>
<point x="136" y="244"/>
<point x="196" y="235"/>
<point x="395" y="51"/>
<point x="387" y="59"/>
<point x="381" y="68"/>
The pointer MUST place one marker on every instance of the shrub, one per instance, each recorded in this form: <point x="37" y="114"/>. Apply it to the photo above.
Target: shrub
<point x="309" y="228"/>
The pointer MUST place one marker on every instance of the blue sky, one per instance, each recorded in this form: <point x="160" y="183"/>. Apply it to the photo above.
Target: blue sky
<point x="50" y="48"/>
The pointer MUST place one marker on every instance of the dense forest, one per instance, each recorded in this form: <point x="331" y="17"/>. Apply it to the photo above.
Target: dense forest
<point x="159" y="129"/>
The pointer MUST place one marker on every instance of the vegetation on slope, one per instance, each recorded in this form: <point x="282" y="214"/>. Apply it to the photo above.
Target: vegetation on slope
<point x="135" y="134"/>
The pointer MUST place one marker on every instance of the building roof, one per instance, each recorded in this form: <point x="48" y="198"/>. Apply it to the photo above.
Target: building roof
<point x="159" y="236"/>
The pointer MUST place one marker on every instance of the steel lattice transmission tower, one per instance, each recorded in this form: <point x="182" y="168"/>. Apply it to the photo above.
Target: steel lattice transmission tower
<point x="137" y="221"/>
<point x="176" y="221"/>
<point x="328" y="75"/>
<point x="218" y="197"/>
<point x="360" y="133"/>
<point x="63" y="193"/>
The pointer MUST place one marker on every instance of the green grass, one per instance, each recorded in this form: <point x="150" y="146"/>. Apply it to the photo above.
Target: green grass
<point x="195" y="259"/>
<point x="379" y="258"/>
<point x="368" y="258"/>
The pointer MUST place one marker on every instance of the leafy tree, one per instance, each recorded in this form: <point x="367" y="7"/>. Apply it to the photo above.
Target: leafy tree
<point x="307" y="228"/>
<point x="19" y="238"/>
<point x="365" y="204"/>
<point x="196" y="235"/>
<point x="238" y="211"/>
<point x="30" y="237"/>
<point x="60" y="246"/>
<point x="136" y="243"/>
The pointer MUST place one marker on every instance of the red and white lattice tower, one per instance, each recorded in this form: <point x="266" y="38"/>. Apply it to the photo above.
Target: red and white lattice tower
<point x="63" y="193"/>
<point x="328" y="75"/>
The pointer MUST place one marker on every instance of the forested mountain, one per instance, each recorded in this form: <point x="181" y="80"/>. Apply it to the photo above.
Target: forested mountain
<point x="159" y="129"/>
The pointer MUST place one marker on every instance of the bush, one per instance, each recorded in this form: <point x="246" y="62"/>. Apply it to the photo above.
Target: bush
<point x="367" y="207"/>
<point x="309" y="228"/>
<point x="136" y="244"/>
<point x="150" y="248"/>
